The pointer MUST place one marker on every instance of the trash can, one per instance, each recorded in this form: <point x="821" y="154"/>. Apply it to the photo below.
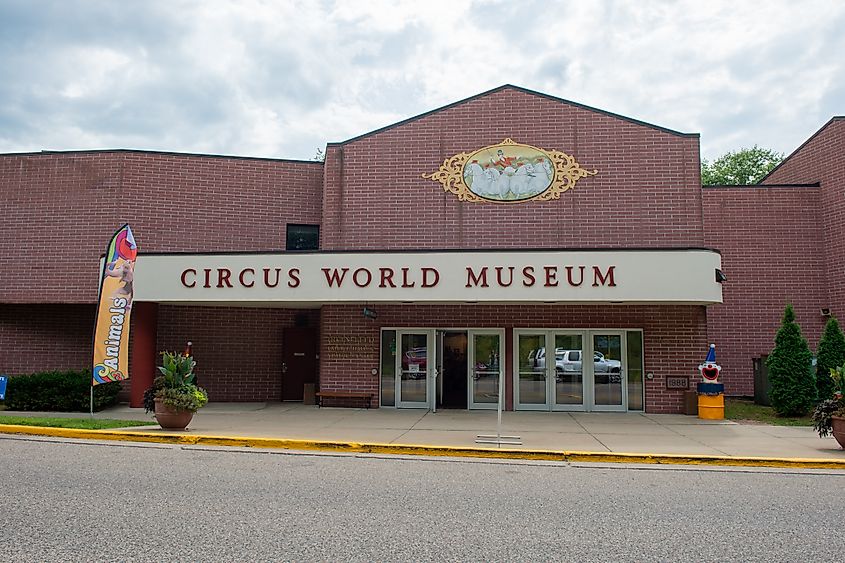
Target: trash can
<point x="690" y="403"/>
<point x="711" y="401"/>
<point x="308" y="396"/>
<point x="762" y="386"/>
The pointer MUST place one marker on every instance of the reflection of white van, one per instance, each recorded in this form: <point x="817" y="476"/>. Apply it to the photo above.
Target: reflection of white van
<point x="565" y="360"/>
<point x="571" y="361"/>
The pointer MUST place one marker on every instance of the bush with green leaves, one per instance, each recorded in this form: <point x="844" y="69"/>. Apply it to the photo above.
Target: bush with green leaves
<point x="829" y="356"/>
<point x="175" y="385"/>
<point x="58" y="391"/>
<point x="790" y="370"/>
<point x="835" y="406"/>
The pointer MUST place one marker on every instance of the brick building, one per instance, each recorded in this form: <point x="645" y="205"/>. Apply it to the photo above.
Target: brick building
<point x="433" y="262"/>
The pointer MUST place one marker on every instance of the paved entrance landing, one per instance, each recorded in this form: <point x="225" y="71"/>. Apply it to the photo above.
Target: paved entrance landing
<point x="595" y="432"/>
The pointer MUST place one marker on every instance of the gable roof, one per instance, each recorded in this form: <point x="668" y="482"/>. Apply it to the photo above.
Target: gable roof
<point x="804" y="144"/>
<point x="518" y="89"/>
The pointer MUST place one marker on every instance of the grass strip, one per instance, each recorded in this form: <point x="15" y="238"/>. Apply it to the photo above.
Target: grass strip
<point x="85" y="423"/>
<point x="742" y="410"/>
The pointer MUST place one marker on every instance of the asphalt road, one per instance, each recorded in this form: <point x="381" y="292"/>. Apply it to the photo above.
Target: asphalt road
<point x="77" y="501"/>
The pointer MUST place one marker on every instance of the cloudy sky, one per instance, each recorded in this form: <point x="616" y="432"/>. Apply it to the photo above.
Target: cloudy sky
<point x="280" y="79"/>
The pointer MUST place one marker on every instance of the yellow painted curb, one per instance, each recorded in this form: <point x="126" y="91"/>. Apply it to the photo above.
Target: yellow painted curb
<point x="424" y="450"/>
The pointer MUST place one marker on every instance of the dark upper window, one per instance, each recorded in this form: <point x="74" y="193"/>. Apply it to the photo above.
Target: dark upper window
<point x="303" y="237"/>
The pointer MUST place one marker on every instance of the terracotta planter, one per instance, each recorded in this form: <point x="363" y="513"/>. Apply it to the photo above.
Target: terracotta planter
<point x="839" y="430"/>
<point x="170" y="418"/>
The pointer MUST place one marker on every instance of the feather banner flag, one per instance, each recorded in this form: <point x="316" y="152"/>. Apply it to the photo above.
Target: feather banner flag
<point x="111" y="336"/>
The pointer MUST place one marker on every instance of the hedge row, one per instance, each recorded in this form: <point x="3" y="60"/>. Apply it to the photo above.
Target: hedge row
<point x="64" y="391"/>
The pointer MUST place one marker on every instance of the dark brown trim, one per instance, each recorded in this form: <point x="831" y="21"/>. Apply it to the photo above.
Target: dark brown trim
<point x="746" y="186"/>
<point x="518" y="89"/>
<point x="162" y="153"/>
<point x="796" y="151"/>
<point x="429" y="251"/>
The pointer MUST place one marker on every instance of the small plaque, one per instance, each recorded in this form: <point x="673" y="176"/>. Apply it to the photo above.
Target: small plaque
<point x="414" y="368"/>
<point x="677" y="382"/>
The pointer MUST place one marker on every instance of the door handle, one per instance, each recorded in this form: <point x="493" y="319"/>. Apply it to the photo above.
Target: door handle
<point x="284" y="367"/>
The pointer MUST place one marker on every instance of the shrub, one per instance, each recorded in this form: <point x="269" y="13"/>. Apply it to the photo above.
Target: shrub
<point x="64" y="391"/>
<point x="830" y="355"/>
<point x="790" y="370"/>
<point x="175" y="385"/>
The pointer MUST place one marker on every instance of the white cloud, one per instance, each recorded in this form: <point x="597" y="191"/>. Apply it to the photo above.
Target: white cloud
<point x="280" y="79"/>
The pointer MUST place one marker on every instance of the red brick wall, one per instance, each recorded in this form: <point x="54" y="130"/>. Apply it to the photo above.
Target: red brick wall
<point x="822" y="159"/>
<point x="647" y="192"/>
<point x="238" y="350"/>
<point x="59" y="211"/>
<point x="45" y="337"/>
<point x="675" y="338"/>
<point x="772" y="254"/>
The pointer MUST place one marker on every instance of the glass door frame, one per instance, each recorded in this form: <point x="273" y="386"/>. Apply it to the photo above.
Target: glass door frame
<point x="587" y="369"/>
<point x="471" y="332"/>
<point x="623" y="339"/>
<point x="430" y="363"/>
<point x="550" y="370"/>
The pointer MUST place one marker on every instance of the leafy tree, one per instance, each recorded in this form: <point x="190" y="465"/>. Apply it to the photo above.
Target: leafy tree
<point x="830" y="354"/>
<point x="320" y="155"/>
<point x="790" y="369"/>
<point x="740" y="168"/>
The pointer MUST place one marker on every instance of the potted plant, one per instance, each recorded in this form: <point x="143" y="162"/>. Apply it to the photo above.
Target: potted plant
<point x="829" y="415"/>
<point x="173" y="397"/>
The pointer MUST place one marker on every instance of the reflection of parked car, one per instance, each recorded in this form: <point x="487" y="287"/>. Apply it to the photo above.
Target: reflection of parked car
<point x="603" y="364"/>
<point x="415" y="361"/>
<point x="569" y="361"/>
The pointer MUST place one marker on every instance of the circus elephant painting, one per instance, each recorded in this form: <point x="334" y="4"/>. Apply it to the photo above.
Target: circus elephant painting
<point x="508" y="172"/>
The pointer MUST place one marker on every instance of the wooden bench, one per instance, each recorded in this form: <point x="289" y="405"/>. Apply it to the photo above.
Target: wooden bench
<point x="365" y="395"/>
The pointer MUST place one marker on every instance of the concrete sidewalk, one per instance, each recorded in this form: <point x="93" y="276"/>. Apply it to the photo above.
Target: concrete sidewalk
<point x="584" y="432"/>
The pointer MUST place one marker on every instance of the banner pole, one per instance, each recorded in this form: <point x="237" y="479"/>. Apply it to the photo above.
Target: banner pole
<point x="92" y="401"/>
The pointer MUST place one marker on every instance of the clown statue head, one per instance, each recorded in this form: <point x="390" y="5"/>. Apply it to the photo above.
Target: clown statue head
<point x="710" y="370"/>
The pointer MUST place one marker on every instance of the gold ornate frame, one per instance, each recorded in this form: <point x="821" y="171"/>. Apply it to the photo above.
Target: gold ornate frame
<point x="566" y="173"/>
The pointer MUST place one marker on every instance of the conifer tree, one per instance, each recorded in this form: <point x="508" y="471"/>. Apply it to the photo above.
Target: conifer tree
<point x="790" y="369"/>
<point x="830" y="354"/>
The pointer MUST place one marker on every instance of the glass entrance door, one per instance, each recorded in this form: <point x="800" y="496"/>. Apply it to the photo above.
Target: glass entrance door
<point x="415" y="362"/>
<point x="485" y="368"/>
<point x="530" y="371"/>
<point x="568" y="382"/>
<point x="609" y="390"/>
<point x="551" y="372"/>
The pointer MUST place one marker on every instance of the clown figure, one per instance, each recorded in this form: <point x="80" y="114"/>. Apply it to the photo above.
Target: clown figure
<point x="710" y="370"/>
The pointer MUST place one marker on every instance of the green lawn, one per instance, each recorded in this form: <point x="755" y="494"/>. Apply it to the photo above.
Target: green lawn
<point x="743" y="410"/>
<point x="86" y="423"/>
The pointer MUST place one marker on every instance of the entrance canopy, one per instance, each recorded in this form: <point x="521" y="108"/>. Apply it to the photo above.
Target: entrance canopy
<point x="678" y="276"/>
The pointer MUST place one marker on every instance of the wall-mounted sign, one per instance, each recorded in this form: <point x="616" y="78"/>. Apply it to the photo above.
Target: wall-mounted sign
<point x="509" y="172"/>
<point x="573" y="276"/>
<point x="677" y="382"/>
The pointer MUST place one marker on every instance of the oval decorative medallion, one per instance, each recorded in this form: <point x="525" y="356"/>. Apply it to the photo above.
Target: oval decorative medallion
<point x="509" y="172"/>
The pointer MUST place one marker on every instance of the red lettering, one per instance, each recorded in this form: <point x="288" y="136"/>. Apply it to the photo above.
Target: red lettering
<point x="355" y="277"/>
<point x="425" y="272"/>
<point x="184" y="276"/>
<point x="499" y="276"/>
<point x="405" y="278"/>
<point x="528" y="273"/>
<point x="551" y="276"/>
<point x="386" y="277"/>
<point x="293" y="274"/>
<point x="207" y="277"/>
<point x="333" y="278"/>
<point x="598" y="277"/>
<point x="223" y="275"/>
<point x="241" y="277"/>
<point x="473" y="279"/>
<point x="569" y="276"/>
<point x="267" y="277"/>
